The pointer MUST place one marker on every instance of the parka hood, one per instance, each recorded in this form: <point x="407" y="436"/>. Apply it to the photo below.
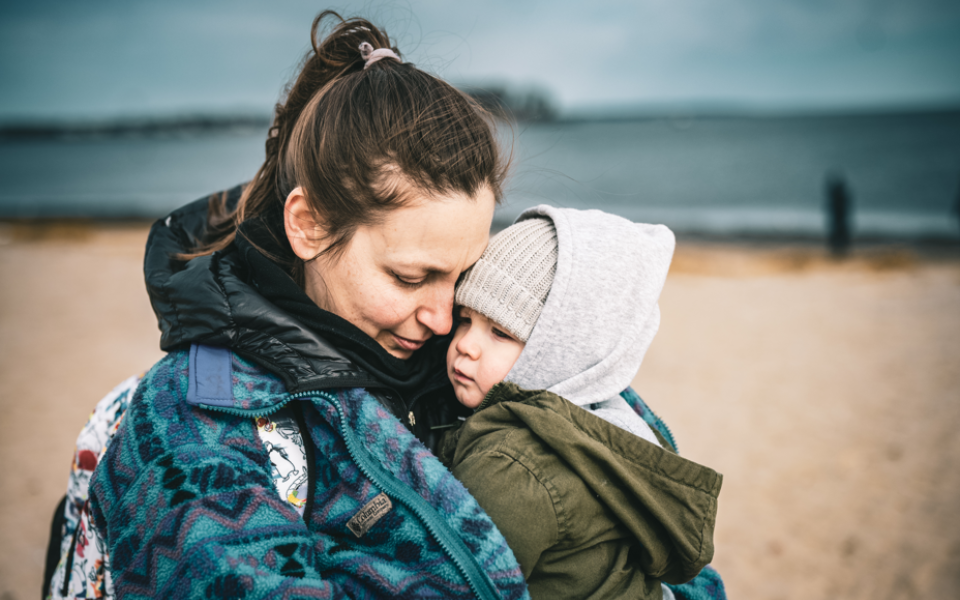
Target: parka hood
<point x="240" y="299"/>
<point x="209" y="301"/>
<point x="601" y="313"/>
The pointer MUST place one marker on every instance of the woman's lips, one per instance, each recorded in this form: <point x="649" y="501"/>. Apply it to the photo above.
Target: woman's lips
<point x="407" y="344"/>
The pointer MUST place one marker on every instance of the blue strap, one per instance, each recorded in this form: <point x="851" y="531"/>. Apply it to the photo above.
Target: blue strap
<point x="647" y="414"/>
<point x="211" y="376"/>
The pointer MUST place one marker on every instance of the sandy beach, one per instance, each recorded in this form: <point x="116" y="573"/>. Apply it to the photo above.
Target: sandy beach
<point x="827" y="393"/>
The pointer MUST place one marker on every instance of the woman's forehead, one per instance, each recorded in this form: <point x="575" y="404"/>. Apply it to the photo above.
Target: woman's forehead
<point x="442" y="235"/>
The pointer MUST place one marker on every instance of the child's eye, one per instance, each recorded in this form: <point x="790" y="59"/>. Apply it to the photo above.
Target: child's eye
<point x="464" y="320"/>
<point x="502" y="334"/>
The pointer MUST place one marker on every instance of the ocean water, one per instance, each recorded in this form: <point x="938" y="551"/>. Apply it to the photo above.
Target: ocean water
<point x="717" y="176"/>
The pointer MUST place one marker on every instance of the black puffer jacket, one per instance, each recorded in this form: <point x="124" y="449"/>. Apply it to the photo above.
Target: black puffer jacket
<point x="239" y="299"/>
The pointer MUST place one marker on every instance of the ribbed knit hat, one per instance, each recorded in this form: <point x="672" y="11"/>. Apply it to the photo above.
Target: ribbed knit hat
<point x="510" y="282"/>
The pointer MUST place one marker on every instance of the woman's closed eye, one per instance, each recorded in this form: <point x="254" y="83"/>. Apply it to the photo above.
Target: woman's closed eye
<point x="409" y="282"/>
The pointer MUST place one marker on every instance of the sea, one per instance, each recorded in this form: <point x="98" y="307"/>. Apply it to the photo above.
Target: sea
<point x="721" y="176"/>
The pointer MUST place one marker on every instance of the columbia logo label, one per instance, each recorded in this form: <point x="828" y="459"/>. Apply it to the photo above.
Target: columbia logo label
<point x="369" y="515"/>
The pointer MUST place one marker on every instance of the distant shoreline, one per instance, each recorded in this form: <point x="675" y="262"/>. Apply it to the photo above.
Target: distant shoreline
<point x="147" y="127"/>
<point x="31" y="229"/>
<point x="198" y="125"/>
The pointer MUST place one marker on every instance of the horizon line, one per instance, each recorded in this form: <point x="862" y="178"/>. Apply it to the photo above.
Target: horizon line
<point x="198" y="122"/>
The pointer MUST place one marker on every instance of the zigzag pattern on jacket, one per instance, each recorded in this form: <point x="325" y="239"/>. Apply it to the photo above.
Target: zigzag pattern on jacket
<point x="184" y="500"/>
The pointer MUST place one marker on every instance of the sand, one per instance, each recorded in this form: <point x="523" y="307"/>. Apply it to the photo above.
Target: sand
<point x="827" y="393"/>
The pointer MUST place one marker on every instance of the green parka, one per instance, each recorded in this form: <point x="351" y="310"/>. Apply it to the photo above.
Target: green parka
<point x="590" y="510"/>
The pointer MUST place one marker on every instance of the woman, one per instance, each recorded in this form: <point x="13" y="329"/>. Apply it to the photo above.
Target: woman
<point x="318" y="300"/>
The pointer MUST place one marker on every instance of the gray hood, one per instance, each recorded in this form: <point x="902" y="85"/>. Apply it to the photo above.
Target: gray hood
<point x="601" y="313"/>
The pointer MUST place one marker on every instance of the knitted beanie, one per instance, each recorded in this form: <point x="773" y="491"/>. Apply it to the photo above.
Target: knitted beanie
<point x="510" y="282"/>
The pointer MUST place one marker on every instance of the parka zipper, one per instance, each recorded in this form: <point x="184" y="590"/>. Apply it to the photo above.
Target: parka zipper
<point x="441" y="531"/>
<point x="664" y="428"/>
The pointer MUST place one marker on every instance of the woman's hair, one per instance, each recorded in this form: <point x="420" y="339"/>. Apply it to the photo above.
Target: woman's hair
<point x="355" y="139"/>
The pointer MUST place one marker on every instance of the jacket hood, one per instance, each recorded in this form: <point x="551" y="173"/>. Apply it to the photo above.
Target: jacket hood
<point x="208" y="301"/>
<point x="237" y="298"/>
<point x="601" y="313"/>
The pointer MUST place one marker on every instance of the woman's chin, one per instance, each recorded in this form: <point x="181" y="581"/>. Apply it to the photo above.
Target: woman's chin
<point x="399" y="353"/>
<point x="397" y="346"/>
<point x="389" y="343"/>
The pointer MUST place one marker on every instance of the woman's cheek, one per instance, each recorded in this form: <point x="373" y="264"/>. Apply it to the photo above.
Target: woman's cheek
<point x="387" y="304"/>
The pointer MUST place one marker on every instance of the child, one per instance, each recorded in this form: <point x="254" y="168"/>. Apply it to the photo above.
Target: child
<point x="555" y="318"/>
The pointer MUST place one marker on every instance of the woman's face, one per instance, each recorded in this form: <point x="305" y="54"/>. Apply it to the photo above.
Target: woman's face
<point x="395" y="279"/>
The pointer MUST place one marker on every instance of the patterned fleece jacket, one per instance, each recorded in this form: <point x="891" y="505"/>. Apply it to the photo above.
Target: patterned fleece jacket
<point x="187" y="507"/>
<point x="213" y="528"/>
<point x="88" y="577"/>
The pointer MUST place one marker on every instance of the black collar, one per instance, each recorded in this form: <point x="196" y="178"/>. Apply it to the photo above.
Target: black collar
<point x="407" y="377"/>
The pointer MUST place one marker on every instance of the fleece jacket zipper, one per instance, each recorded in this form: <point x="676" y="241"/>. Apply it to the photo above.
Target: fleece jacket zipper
<point x="438" y="527"/>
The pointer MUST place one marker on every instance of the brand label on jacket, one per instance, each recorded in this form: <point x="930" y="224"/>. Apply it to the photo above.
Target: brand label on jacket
<point x="369" y="515"/>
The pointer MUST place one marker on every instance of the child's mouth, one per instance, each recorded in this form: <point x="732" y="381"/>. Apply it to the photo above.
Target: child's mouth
<point x="461" y="376"/>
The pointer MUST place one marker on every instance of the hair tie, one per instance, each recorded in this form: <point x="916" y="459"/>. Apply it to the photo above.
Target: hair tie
<point x="371" y="56"/>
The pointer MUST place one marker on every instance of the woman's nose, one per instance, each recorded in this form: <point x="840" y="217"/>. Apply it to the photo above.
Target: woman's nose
<point x="436" y="312"/>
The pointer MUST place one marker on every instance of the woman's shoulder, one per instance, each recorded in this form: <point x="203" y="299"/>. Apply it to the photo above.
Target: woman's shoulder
<point x="166" y="439"/>
<point x="195" y="404"/>
<point x="163" y="382"/>
<point x="208" y="377"/>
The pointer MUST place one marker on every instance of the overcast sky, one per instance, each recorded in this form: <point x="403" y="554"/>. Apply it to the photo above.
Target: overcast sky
<point x="105" y="58"/>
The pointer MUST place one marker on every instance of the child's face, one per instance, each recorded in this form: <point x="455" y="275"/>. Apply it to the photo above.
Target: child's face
<point x="480" y="356"/>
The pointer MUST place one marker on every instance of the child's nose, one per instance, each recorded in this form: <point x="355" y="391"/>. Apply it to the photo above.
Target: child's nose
<point x="468" y="345"/>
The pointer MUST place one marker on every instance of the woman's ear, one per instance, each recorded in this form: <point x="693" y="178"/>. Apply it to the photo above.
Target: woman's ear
<point x="305" y="234"/>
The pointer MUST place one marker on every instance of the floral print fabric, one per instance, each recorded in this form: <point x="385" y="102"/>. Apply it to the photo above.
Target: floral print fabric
<point x="280" y="435"/>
